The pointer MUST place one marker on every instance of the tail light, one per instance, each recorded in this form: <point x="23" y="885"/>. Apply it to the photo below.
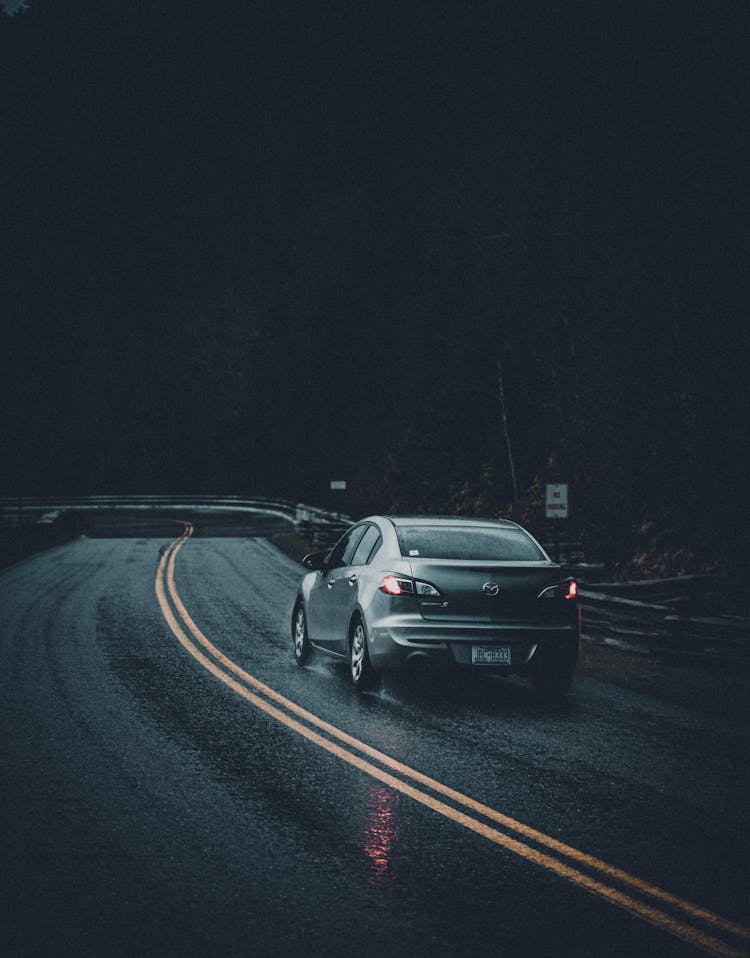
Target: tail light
<point x="398" y="585"/>
<point x="561" y="590"/>
<point x="395" y="585"/>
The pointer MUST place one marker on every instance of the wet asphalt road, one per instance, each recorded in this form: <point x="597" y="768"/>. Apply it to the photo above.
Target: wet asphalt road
<point x="149" y="809"/>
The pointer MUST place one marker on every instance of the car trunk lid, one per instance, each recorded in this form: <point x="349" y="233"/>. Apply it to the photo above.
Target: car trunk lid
<point x="483" y="591"/>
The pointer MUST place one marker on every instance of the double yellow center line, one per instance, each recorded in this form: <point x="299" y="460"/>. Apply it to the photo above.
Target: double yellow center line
<point x="690" y="923"/>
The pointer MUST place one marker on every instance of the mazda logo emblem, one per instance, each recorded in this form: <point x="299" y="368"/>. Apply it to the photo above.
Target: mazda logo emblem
<point x="491" y="588"/>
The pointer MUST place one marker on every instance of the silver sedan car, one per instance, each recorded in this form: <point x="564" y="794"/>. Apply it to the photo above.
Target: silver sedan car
<point x="420" y="593"/>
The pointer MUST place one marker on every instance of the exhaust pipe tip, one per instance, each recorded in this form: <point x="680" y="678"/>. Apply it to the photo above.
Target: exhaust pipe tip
<point x="419" y="667"/>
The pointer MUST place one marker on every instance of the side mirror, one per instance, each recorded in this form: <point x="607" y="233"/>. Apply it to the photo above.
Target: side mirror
<point x="314" y="561"/>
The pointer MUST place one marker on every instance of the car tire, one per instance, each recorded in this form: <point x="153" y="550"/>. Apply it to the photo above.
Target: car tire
<point x="300" y="640"/>
<point x="360" y="667"/>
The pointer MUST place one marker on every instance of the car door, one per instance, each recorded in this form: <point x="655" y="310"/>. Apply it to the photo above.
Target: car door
<point x="321" y="600"/>
<point x="343" y="587"/>
<point x="319" y="609"/>
<point x="346" y="600"/>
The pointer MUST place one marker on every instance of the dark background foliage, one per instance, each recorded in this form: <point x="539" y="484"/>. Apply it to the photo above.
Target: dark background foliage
<point x="255" y="247"/>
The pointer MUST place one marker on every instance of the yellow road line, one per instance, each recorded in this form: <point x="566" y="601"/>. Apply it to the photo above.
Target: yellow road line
<point x="674" y="926"/>
<point x="540" y="837"/>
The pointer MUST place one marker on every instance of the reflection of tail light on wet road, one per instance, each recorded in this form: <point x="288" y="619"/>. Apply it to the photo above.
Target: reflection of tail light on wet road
<point x="380" y="834"/>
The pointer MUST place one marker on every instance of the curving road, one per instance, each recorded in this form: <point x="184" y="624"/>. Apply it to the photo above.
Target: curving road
<point x="172" y="782"/>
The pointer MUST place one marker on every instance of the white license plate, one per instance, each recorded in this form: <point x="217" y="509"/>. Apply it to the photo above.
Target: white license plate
<point x="490" y="655"/>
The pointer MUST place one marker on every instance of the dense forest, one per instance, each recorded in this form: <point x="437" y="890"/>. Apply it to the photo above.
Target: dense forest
<point x="446" y="252"/>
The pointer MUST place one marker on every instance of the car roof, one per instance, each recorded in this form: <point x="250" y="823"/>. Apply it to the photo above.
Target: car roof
<point x="448" y="521"/>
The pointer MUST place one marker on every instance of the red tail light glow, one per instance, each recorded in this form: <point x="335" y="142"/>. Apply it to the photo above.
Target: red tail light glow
<point x="563" y="590"/>
<point x="393" y="585"/>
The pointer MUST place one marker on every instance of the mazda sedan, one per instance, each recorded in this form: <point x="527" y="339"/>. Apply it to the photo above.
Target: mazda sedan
<point x="416" y="593"/>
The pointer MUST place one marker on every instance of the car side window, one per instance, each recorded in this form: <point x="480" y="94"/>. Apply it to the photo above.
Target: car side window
<point x="365" y="547"/>
<point x="353" y="544"/>
<point x="345" y="548"/>
<point x="334" y="556"/>
<point x="375" y="549"/>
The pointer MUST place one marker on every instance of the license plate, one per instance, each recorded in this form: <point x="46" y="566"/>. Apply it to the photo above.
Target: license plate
<point x="490" y="655"/>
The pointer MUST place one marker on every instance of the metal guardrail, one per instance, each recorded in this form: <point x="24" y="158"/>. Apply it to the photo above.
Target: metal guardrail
<point x="321" y="527"/>
<point x="42" y="521"/>
<point x="666" y="618"/>
<point x="27" y="506"/>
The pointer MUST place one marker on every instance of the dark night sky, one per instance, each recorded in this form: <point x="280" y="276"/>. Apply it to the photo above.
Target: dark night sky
<point x="396" y="188"/>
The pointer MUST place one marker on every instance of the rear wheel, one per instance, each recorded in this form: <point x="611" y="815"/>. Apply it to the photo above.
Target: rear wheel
<point x="360" y="668"/>
<point x="302" y="647"/>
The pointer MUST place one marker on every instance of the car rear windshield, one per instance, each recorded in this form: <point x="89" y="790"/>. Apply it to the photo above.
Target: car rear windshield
<point x="445" y="542"/>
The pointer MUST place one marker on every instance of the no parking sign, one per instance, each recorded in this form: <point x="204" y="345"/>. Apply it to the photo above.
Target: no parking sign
<point x="557" y="501"/>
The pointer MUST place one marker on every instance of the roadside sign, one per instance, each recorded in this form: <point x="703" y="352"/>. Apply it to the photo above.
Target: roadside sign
<point x="338" y="483"/>
<point x="557" y="501"/>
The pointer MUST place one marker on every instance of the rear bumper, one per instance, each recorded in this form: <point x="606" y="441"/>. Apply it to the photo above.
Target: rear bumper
<point x="393" y="643"/>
